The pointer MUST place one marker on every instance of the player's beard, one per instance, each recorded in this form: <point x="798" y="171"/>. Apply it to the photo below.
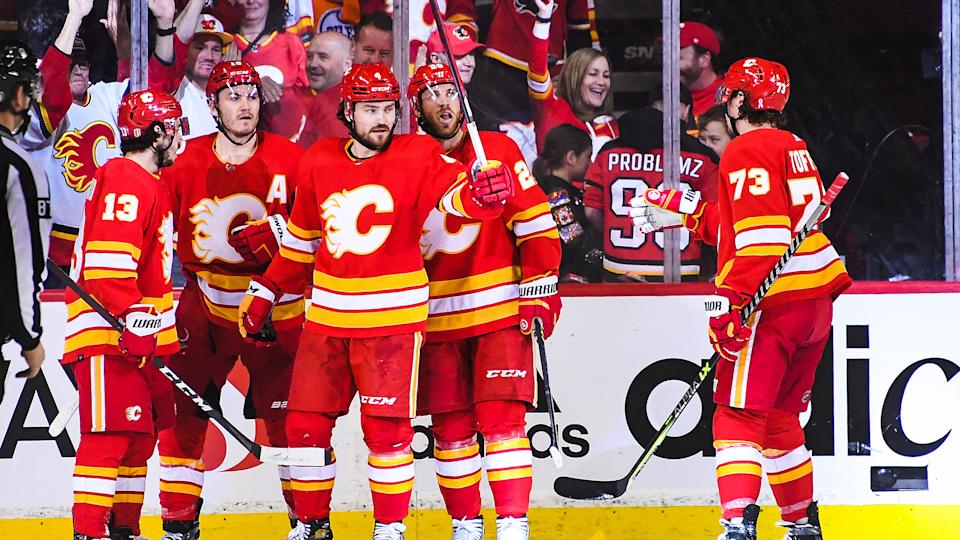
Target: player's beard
<point x="240" y="134"/>
<point x="369" y="142"/>
<point x="433" y="127"/>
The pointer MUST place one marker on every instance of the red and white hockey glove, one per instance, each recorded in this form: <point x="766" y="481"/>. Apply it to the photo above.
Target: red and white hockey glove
<point x="259" y="241"/>
<point x="655" y="209"/>
<point x="138" y="341"/>
<point x="256" y="306"/>
<point x="491" y="184"/>
<point x="539" y="299"/>
<point x="728" y="334"/>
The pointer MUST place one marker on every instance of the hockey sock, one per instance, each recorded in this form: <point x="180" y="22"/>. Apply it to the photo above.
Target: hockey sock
<point x="508" y="460"/>
<point x="181" y="467"/>
<point x="390" y="467"/>
<point x="458" y="462"/>
<point x="790" y="472"/>
<point x="277" y="436"/>
<point x="311" y="487"/>
<point x="95" y="481"/>
<point x="132" y="481"/>
<point x="739" y="471"/>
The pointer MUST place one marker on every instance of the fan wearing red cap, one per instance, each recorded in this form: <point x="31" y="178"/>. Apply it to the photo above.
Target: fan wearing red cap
<point x="481" y="260"/>
<point x="232" y="190"/>
<point x="353" y="241"/>
<point x="769" y="185"/>
<point x="462" y="45"/>
<point x="124" y="259"/>
<point x="699" y="48"/>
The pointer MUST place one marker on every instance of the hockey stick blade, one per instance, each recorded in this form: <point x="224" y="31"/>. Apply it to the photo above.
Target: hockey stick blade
<point x="589" y="490"/>
<point x="63" y="417"/>
<point x="583" y="489"/>
<point x="307" y="457"/>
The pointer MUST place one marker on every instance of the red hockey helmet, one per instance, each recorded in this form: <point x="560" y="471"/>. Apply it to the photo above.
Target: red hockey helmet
<point x="369" y="82"/>
<point x="226" y="74"/>
<point x="139" y="110"/>
<point x="765" y="83"/>
<point x="428" y="75"/>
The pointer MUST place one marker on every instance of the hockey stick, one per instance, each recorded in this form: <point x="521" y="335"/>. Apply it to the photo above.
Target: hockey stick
<point x="63" y="417"/>
<point x="312" y="457"/>
<point x="554" y="435"/>
<point x="581" y="489"/>
<point x="464" y="103"/>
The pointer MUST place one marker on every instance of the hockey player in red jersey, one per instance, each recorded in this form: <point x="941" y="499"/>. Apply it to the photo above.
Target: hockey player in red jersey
<point x="356" y="223"/>
<point x="488" y="282"/>
<point x="768" y="187"/>
<point x="238" y="179"/>
<point x="123" y="258"/>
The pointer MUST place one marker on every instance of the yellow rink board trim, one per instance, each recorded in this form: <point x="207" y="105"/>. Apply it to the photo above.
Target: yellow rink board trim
<point x="655" y="523"/>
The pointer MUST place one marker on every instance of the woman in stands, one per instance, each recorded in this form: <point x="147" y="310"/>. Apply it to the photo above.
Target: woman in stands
<point x="583" y="96"/>
<point x="262" y="41"/>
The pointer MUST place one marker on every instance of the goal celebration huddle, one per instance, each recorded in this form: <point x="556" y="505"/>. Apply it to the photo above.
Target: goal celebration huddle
<point x="409" y="275"/>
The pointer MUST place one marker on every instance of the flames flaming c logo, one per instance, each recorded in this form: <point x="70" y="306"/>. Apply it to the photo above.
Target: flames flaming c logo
<point x="78" y="149"/>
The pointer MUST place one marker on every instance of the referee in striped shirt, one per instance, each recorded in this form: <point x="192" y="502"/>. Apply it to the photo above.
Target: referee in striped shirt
<point x="25" y="222"/>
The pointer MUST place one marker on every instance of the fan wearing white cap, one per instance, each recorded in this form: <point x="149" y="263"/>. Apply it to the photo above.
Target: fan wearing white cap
<point x="199" y="45"/>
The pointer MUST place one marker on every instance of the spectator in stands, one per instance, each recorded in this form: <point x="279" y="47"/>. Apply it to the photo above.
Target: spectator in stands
<point x="374" y="40"/>
<point x="714" y="130"/>
<point x="279" y="56"/>
<point x="686" y="104"/>
<point x="560" y="170"/>
<point x="198" y="46"/>
<point x="699" y="47"/>
<point x="625" y="168"/>
<point x="500" y="102"/>
<point x="75" y="134"/>
<point x="328" y="57"/>
<point x="583" y="96"/>
<point x="79" y="71"/>
<point x="463" y="46"/>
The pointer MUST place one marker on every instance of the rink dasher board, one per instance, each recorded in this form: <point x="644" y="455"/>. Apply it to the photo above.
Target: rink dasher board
<point x="611" y="361"/>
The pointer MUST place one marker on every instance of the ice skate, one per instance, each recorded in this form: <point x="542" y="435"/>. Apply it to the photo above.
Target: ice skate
<point x="468" y="528"/>
<point x="388" y="531"/>
<point x="807" y="528"/>
<point x="744" y="528"/>
<point x="509" y="528"/>
<point x="181" y="529"/>
<point x="318" y="529"/>
<point x="125" y="533"/>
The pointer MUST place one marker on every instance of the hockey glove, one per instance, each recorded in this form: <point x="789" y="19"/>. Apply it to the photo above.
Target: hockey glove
<point x="256" y="307"/>
<point x="728" y="334"/>
<point x="259" y="241"/>
<point x="138" y="341"/>
<point x="663" y="209"/>
<point x="491" y="184"/>
<point x="539" y="299"/>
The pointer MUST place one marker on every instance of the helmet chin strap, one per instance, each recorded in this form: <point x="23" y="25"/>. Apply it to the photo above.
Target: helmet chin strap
<point x="223" y="130"/>
<point x="25" y="119"/>
<point x="161" y="154"/>
<point x="731" y="120"/>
